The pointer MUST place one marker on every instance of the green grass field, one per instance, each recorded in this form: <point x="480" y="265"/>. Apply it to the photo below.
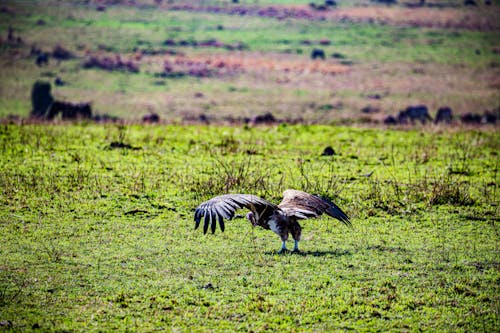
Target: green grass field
<point x="96" y="220"/>
<point x="98" y="239"/>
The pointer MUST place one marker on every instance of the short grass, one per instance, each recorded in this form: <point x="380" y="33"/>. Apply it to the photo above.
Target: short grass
<point x="100" y="239"/>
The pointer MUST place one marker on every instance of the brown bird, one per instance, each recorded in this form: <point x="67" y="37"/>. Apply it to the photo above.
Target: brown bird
<point x="282" y="218"/>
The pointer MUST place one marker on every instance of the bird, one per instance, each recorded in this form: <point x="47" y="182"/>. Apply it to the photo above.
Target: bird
<point x="282" y="219"/>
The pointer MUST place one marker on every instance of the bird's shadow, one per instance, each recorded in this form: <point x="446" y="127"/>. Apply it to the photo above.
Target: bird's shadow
<point x="332" y="253"/>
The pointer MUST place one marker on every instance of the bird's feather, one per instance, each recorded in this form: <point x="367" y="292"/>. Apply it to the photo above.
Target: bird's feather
<point x="303" y="205"/>
<point x="225" y="206"/>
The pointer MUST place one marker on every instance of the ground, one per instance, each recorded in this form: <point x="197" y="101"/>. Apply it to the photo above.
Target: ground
<point x="227" y="62"/>
<point x="96" y="217"/>
<point x="99" y="238"/>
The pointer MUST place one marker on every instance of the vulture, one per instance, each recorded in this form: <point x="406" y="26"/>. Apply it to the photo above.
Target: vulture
<point x="282" y="219"/>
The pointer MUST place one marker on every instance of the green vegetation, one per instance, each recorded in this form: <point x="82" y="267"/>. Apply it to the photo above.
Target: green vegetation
<point x="406" y="60"/>
<point x="96" y="220"/>
<point x="98" y="238"/>
<point x="122" y="29"/>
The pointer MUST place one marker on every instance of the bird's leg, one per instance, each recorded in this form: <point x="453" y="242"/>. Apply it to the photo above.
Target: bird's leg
<point x="296" y="231"/>
<point x="283" y="247"/>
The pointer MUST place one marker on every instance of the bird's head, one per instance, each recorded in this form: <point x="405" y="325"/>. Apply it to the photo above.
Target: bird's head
<point x="251" y="218"/>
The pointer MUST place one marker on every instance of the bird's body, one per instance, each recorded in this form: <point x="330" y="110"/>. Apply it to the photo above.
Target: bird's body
<point x="282" y="219"/>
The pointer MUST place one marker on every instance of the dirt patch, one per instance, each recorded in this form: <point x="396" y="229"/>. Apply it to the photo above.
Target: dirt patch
<point x="234" y="63"/>
<point x="208" y="43"/>
<point x="110" y="63"/>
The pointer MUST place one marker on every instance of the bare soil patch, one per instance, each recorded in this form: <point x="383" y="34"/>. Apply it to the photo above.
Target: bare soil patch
<point x="253" y="62"/>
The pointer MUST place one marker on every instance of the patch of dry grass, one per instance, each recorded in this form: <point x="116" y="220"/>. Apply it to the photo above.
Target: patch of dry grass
<point x="258" y="62"/>
<point x="424" y="17"/>
<point x="477" y="18"/>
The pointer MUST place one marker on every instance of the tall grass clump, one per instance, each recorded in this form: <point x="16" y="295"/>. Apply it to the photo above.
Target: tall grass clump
<point x="230" y="176"/>
<point x="395" y="197"/>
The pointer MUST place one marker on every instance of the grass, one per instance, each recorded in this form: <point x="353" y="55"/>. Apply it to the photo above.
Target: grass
<point x="121" y="30"/>
<point x="95" y="238"/>
<point x="96" y="221"/>
<point x="409" y="64"/>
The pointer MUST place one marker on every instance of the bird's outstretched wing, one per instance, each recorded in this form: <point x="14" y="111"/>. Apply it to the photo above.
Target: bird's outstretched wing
<point x="303" y="205"/>
<point x="223" y="207"/>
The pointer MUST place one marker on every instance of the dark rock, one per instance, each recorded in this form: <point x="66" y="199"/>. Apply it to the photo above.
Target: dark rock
<point x="152" y="118"/>
<point x="41" y="98"/>
<point x="61" y="53"/>
<point x="338" y="56"/>
<point x="42" y="59"/>
<point x="266" y="118"/>
<point x="370" y="109"/>
<point x="328" y="151"/>
<point x="471" y="3"/>
<point x="169" y="42"/>
<point x="59" y="82"/>
<point x="318" y="53"/>
<point x="390" y="120"/>
<point x="121" y="145"/>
